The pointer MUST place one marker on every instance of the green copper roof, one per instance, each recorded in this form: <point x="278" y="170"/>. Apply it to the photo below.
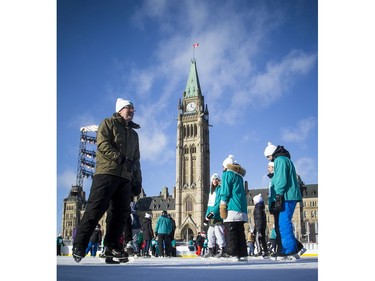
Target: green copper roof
<point x="192" y="85"/>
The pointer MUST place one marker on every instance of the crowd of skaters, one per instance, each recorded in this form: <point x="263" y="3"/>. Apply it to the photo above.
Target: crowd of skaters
<point x="224" y="221"/>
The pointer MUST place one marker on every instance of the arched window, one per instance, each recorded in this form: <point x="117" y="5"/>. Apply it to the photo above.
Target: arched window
<point x="189" y="204"/>
<point x="193" y="150"/>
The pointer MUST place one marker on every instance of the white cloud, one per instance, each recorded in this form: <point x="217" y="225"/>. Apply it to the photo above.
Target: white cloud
<point x="306" y="168"/>
<point x="269" y="86"/>
<point x="300" y="132"/>
<point x="82" y="120"/>
<point x="153" y="145"/>
<point x="66" y="179"/>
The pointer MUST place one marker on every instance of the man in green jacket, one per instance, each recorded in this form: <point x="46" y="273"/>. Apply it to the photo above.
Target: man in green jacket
<point x="117" y="177"/>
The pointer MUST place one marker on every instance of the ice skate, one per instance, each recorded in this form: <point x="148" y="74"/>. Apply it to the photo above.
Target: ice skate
<point x="284" y="257"/>
<point x="78" y="254"/>
<point x="113" y="256"/>
<point x="209" y="254"/>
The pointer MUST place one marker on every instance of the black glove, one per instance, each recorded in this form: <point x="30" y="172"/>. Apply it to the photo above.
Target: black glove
<point x="121" y="159"/>
<point x="279" y="203"/>
<point x="156" y="234"/>
<point x="207" y="218"/>
<point x="210" y="215"/>
<point x="272" y="208"/>
<point x="136" y="188"/>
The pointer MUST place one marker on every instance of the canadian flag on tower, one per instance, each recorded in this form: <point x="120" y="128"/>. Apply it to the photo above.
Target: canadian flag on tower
<point x="195" y="45"/>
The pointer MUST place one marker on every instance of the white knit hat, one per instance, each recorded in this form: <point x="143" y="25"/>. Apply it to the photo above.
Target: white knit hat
<point x="215" y="176"/>
<point x="121" y="103"/>
<point x="228" y="160"/>
<point x="257" y="198"/>
<point x="271" y="164"/>
<point x="270" y="149"/>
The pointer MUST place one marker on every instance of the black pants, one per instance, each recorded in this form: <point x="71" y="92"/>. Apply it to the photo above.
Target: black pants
<point x="279" y="247"/>
<point x="128" y="231"/>
<point x="261" y="242"/>
<point x="164" y="241"/>
<point x="108" y="193"/>
<point x="235" y="239"/>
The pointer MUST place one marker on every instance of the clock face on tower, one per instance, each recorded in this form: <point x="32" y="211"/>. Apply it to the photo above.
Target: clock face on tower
<point x="191" y="106"/>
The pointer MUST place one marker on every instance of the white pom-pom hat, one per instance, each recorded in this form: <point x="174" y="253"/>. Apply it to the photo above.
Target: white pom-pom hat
<point x="270" y="149"/>
<point x="228" y="160"/>
<point x="258" y="198"/>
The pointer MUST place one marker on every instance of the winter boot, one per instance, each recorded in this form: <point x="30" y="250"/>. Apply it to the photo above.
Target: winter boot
<point x="266" y="254"/>
<point x="222" y="254"/>
<point x="259" y="254"/>
<point x="78" y="253"/>
<point x="210" y="253"/>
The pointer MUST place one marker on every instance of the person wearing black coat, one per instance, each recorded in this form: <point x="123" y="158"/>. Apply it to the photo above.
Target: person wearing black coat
<point x="148" y="234"/>
<point x="95" y="239"/>
<point x="260" y="221"/>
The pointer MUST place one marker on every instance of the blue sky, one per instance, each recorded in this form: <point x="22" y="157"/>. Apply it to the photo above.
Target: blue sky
<point x="257" y="62"/>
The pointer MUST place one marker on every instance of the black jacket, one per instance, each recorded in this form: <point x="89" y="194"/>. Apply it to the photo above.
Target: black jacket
<point x="148" y="233"/>
<point x="96" y="237"/>
<point x="260" y="218"/>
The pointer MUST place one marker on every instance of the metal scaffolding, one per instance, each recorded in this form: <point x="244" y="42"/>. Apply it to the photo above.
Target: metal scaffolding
<point x="86" y="157"/>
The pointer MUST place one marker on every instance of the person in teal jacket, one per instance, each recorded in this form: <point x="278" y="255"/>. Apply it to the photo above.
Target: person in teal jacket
<point x="233" y="208"/>
<point x="283" y="198"/>
<point x="163" y="229"/>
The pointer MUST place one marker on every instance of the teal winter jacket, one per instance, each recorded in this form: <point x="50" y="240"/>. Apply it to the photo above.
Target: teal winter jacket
<point x="233" y="190"/>
<point x="214" y="203"/>
<point x="284" y="181"/>
<point x="163" y="225"/>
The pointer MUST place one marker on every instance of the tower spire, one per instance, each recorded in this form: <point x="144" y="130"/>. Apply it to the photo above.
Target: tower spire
<point x="193" y="87"/>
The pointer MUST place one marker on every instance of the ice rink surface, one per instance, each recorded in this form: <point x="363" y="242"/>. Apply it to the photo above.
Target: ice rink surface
<point x="187" y="269"/>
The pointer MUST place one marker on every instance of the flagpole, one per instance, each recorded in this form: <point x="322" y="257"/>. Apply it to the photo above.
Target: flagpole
<point x="195" y="46"/>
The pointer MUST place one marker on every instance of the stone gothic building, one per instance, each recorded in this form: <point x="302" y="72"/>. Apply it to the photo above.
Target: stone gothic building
<point x="187" y="201"/>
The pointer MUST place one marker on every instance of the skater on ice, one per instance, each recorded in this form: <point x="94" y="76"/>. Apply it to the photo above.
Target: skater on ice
<point x="283" y="197"/>
<point x="233" y="208"/>
<point x="260" y="220"/>
<point x="215" y="232"/>
<point x="117" y="176"/>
